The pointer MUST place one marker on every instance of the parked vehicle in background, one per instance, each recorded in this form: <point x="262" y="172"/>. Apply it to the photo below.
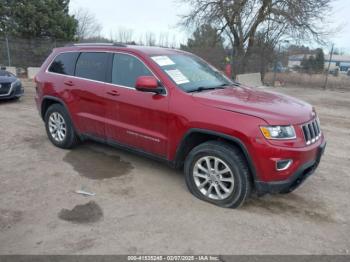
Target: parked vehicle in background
<point x="279" y="68"/>
<point x="173" y="106"/>
<point x="10" y="86"/>
<point x="334" y="71"/>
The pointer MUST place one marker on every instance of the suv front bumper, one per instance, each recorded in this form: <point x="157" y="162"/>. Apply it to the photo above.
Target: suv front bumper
<point x="295" y="180"/>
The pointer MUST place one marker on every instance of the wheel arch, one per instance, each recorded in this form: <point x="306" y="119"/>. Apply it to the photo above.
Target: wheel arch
<point x="196" y="136"/>
<point x="49" y="101"/>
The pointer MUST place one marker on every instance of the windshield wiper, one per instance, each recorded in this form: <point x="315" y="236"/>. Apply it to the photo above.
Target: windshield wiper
<point x="231" y="84"/>
<point x="203" y="88"/>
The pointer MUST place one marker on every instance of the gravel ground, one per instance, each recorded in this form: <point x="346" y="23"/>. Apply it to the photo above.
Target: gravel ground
<point x="143" y="207"/>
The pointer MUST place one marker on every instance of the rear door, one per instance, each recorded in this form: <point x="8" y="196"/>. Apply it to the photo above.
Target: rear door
<point x="88" y="88"/>
<point x="62" y="69"/>
<point x="134" y="118"/>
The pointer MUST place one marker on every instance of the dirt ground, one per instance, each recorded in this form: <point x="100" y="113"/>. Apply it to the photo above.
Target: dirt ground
<point x="143" y="207"/>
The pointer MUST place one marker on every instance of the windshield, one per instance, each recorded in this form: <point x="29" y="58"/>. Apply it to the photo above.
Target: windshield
<point x="191" y="73"/>
<point x="5" y="73"/>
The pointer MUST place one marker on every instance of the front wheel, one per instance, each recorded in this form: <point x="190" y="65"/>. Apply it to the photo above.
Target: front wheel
<point x="217" y="172"/>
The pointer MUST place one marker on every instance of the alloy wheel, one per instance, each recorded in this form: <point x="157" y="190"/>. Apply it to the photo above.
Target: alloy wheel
<point x="57" y="127"/>
<point x="213" y="178"/>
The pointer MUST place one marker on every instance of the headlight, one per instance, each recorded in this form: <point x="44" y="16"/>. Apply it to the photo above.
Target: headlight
<point x="17" y="82"/>
<point x="278" y="132"/>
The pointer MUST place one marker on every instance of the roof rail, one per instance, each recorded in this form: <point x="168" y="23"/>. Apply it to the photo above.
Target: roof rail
<point x="99" y="44"/>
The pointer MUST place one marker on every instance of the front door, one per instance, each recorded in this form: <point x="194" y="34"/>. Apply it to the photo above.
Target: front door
<point x="136" y="119"/>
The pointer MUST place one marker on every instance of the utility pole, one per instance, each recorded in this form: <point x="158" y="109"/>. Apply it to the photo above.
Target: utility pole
<point x="276" y="60"/>
<point x="329" y="66"/>
<point x="275" y="66"/>
<point x="8" y="50"/>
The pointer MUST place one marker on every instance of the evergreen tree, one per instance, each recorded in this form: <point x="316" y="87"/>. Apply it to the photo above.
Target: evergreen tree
<point x="208" y="44"/>
<point x="314" y="63"/>
<point x="305" y="64"/>
<point x="319" y="60"/>
<point x="32" y="19"/>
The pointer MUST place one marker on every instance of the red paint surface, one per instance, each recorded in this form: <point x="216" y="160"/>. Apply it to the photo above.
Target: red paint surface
<point x="157" y="123"/>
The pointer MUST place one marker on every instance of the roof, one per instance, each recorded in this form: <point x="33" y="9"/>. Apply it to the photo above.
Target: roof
<point x="335" y="58"/>
<point x="147" y="50"/>
<point x="338" y="58"/>
<point x="153" y="50"/>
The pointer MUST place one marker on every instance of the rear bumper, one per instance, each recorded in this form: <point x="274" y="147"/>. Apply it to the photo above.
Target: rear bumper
<point x="295" y="180"/>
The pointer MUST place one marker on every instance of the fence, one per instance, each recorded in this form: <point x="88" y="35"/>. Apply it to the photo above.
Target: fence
<point x="23" y="53"/>
<point x="292" y="78"/>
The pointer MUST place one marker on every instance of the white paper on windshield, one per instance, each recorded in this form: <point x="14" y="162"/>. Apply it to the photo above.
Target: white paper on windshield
<point x="163" y="60"/>
<point x="177" y="76"/>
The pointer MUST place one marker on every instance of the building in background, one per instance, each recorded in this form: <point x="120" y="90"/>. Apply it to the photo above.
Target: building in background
<point x="342" y="62"/>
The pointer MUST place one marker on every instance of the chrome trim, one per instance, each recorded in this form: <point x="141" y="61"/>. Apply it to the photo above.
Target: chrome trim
<point x="96" y="81"/>
<point x="315" y="122"/>
<point x="290" y="162"/>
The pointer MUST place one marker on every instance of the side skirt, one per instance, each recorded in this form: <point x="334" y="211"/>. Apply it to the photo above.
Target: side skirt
<point x="134" y="150"/>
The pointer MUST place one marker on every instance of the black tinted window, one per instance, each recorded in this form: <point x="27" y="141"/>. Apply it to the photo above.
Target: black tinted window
<point x="126" y="69"/>
<point x="64" y="64"/>
<point x="92" y="66"/>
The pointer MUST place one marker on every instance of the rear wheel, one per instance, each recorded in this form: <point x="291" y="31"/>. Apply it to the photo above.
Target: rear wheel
<point x="217" y="172"/>
<point x="59" y="127"/>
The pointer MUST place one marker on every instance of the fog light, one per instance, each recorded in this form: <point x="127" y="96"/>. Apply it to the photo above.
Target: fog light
<point x="283" y="164"/>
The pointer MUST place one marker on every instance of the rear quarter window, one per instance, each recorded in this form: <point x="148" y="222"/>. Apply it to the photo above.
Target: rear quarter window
<point x="64" y="63"/>
<point x="92" y="65"/>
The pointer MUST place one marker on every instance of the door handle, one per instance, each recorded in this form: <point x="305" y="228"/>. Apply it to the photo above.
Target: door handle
<point x="69" y="83"/>
<point x="113" y="93"/>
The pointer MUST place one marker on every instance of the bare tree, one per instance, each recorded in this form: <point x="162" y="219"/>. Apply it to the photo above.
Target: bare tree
<point x="141" y="40"/>
<point x="163" y="39"/>
<point x="241" y="20"/>
<point x="125" y="35"/>
<point x="88" y="26"/>
<point x="150" y="39"/>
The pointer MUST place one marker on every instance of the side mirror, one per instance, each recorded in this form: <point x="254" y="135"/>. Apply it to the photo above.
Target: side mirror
<point x="148" y="84"/>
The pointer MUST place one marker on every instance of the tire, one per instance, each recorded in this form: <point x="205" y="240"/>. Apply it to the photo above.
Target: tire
<point x="288" y="191"/>
<point x="58" y="114"/>
<point x="233" y="159"/>
<point x="16" y="98"/>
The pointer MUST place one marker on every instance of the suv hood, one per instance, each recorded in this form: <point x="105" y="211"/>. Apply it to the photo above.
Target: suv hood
<point x="7" y="79"/>
<point x="274" y="108"/>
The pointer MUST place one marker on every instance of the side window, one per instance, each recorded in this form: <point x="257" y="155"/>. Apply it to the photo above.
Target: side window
<point x="64" y="63"/>
<point x="126" y="69"/>
<point x="92" y="66"/>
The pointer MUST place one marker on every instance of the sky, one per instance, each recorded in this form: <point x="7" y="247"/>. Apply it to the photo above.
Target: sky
<point x="163" y="16"/>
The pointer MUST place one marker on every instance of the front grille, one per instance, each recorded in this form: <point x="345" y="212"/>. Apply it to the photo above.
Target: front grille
<point x="312" y="131"/>
<point x="4" y="88"/>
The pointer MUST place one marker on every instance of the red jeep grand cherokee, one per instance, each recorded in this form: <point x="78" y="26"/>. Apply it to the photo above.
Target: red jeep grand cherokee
<point x="173" y="106"/>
